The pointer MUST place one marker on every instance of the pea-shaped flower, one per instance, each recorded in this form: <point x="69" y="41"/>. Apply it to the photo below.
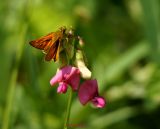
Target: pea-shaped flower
<point x="88" y="91"/>
<point x="67" y="75"/>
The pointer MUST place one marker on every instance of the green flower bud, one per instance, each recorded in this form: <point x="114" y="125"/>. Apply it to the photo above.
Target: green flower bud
<point x="63" y="60"/>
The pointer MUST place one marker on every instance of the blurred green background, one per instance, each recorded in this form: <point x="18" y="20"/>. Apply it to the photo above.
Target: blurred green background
<point x="122" y="44"/>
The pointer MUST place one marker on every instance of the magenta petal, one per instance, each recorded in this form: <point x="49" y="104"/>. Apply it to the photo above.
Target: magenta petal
<point x="66" y="72"/>
<point x="87" y="91"/>
<point x="62" y="88"/>
<point x="57" y="78"/>
<point x="99" y="102"/>
<point x="62" y="75"/>
<point x="69" y="72"/>
<point x="73" y="81"/>
<point x="69" y="75"/>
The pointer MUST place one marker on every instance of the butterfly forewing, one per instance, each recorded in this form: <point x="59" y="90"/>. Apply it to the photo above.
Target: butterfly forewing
<point x="44" y="42"/>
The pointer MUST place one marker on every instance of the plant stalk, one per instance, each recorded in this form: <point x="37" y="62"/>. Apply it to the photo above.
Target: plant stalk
<point x="66" y="122"/>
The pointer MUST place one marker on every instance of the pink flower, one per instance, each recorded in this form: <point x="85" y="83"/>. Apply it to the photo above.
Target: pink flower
<point x="68" y="75"/>
<point x="88" y="91"/>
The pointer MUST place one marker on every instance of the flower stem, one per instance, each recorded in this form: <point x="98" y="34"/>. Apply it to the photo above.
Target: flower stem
<point x="66" y="122"/>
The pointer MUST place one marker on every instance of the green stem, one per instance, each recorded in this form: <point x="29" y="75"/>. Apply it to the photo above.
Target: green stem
<point x="12" y="84"/>
<point x="66" y="122"/>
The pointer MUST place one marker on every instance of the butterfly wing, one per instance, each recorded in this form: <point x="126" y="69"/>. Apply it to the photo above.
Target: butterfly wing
<point x="50" y="44"/>
<point x="53" y="52"/>
<point x="45" y="42"/>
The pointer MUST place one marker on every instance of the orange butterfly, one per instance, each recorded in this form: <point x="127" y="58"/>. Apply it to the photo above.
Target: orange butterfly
<point x="50" y="44"/>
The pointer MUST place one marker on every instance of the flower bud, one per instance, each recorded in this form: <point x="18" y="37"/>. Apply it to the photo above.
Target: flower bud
<point x="63" y="60"/>
<point x="85" y="72"/>
<point x="69" y="44"/>
<point x="70" y="48"/>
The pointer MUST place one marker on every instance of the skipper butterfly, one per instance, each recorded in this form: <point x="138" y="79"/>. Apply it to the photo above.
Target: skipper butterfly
<point x="50" y="44"/>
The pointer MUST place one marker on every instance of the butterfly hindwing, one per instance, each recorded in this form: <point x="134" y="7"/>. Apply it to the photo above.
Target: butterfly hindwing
<point x="53" y="52"/>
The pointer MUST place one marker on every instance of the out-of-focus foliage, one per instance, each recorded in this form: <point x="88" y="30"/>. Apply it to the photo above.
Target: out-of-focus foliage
<point x="122" y="44"/>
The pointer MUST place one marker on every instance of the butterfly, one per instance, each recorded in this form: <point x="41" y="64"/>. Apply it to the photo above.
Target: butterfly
<point x="50" y="44"/>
